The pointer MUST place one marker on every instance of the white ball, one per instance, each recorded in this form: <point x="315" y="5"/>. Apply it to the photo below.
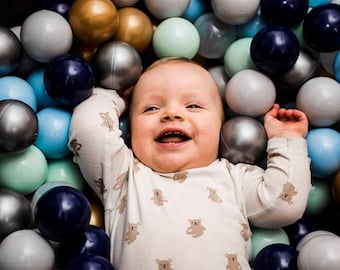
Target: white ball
<point x="235" y="12"/>
<point x="45" y="35"/>
<point x="319" y="99"/>
<point x="163" y="9"/>
<point x="250" y="93"/>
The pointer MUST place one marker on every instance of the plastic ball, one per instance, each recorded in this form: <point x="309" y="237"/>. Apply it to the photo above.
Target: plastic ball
<point x="215" y="36"/>
<point x="195" y="9"/>
<point x="61" y="213"/>
<point x="12" y="87"/>
<point x="163" y="9"/>
<point x="97" y="215"/>
<point x="124" y="3"/>
<point x="319" y="197"/>
<point x="265" y="237"/>
<point x="18" y="126"/>
<point x="315" y="3"/>
<point x="221" y="78"/>
<point x="305" y="68"/>
<point x="250" y="93"/>
<point x="36" y="80"/>
<point x="243" y="139"/>
<point x="284" y="12"/>
<point x="26" y="249"/>
<point x="90" y="262"/>
<point x="324" y="151"/>
<point x="66" y="171"/>
<point x="321" y="28"/>
<point x="134" y="28"/>
<point x="300" y="229"/>
<point x="23" y="171"/>
<point x="276" y="256"/>
<point x="319" y="98"/>
<point x="10" y="51"/>
<point x="327" y="61"/>
<point x="93" y="21"/>
<point x="319" y="252"/>
<point x="336" y="66"/>
<point x="60" y="6"/>
<point x="250" y="28"/>
<point x="15" y="212"/>
<point x="93" y="241"/>
<point x="336" y="187"/>
<point x="54" y="125"/>
<point x="235" y="11"/>
<point x="68" y="79"/>
<point x="274" y="49"/>
<point x="118" y="65"/>
<point x="237" y="56"/>
<point x="176" y="37"/>
<point x="46" y="34"/>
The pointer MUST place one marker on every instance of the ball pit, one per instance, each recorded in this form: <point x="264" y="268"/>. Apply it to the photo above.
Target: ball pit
<point x="306" y="74"/>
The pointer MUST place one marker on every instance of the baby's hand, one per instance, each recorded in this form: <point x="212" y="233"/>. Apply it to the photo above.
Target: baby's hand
<point x="283" y="123"/>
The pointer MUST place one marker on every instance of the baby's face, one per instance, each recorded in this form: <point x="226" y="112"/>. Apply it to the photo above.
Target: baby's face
<point x="176" y="116"/>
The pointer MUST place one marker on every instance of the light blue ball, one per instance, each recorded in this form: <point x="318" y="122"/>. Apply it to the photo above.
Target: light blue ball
<point x="324" y="151"/>
<point x="36" y="80"/>
<point x="195" y="9"/>
<point x="12" y="87"/>
<point x="53" y="135"/>
<point x="315" y="3"/>
<point x="250" y="28"/>
<point x="336" y="66"/>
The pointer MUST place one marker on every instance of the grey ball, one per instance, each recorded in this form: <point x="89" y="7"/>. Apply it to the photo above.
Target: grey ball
<point x="117" y="65"/>
<point x="243" y="139"/>
<point x="18" y="125"/>
<point x="10" y="51"/>
<point x="15" y="212"/>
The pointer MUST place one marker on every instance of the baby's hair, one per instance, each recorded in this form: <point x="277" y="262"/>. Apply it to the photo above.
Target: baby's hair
<point x="171" y="59"/>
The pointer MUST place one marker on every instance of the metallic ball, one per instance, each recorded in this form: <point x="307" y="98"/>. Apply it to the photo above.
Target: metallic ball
<point x="15" y="212"/>
<point x="93" y="21"/>
<point x="118" y="65"/>
<point x="10" y="51"/>
<point x="243" y="139"/>
<point x="134" y="28"/>
<point x="18" y="125"/>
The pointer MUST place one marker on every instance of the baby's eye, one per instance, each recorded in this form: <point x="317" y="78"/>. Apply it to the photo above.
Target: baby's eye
<point x="193" y="106"/>
<point x="151" y="109"/>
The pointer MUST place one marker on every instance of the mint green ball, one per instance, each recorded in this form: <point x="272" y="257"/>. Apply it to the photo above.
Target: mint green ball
<point x="237" y="56"/>
<point x="264" y="237"/>
<point x="23" y="171"/>
<point x="65" y="170"/>
<point x="319" y="197"/>
<point x="176" y="37"/>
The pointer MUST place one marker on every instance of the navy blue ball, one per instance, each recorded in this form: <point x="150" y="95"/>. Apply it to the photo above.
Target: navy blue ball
<point x="90" y="262"/>
<point x="284" y="12"/>
<point x="276" y="256"/>
<point x="60" y="6"/>
<point x="69" y="79"/>
<point x="62" y="213"/>
<point x="321" y="28"/>
<point x="274" y="49"/>
<point x="93" y="241"/>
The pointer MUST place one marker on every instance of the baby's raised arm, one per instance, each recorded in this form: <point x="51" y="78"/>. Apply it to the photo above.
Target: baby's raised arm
<point x="285" y="123"/>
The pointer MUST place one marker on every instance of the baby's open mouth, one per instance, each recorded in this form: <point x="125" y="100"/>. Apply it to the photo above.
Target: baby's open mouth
<point x="172" y="137"/>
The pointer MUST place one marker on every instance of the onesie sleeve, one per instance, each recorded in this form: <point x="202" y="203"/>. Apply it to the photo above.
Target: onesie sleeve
<point x="96" y="142"/>
<point x="278" y="195"/>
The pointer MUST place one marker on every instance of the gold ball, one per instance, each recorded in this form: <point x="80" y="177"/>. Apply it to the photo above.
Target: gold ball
<point x="93" y="21"/>
<point x="134" y="28"/>
<point x="336" y="188"/>
<point x="84" y="50"/>
<point x="97" y="215"/>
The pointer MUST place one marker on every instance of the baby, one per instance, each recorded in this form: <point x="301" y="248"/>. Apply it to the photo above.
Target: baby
<point x="170" y="202"/>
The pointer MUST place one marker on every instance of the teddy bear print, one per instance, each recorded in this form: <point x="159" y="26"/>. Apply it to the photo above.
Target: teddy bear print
<point x="135" y="166"/>
<point x="180" y="176"/>
<point x="164" y="264"/>
<point x="213" y="195"/>
<point x="120" y="181"/>
<point x="100" y="185"/>
<point x="158" y="197"/>
<point x="122" y="204"/>
<point x="245" y="231"/>
<point x="132" y="233"/>
<point x="196" y="228"/>
<point x="288" y="192"/>
<point x="107" y="120"/>
<point x="233" y="263"/>
<point x="76" y="146"/>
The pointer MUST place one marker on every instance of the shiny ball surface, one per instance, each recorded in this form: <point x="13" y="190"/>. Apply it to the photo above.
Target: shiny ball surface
<point x="10" y="51"/>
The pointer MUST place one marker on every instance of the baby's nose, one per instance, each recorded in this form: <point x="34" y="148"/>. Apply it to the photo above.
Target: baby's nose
<point x="172" y="116"/>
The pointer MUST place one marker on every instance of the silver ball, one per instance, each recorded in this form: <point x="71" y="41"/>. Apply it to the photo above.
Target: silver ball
<point x="15" y="212"/>
<point x="18" y="125"/>
<point x="10" y="51"/>
<point x="243" y="139"/>
<point x="117" y="65"/>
